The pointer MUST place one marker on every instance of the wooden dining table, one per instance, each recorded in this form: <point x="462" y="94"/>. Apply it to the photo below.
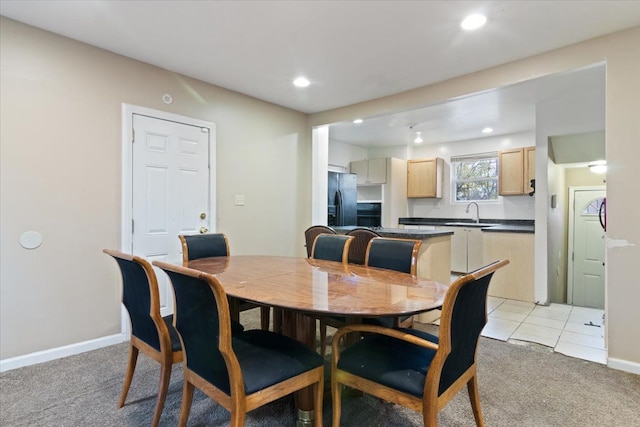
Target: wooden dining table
<point x="304" y="289"/>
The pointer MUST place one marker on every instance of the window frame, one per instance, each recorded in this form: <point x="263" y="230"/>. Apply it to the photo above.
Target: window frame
<point x="474" y="157"/>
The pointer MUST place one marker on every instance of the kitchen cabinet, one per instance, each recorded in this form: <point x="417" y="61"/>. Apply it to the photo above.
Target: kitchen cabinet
<point x="515" y="280"/>
<point x="370" y="172"/>
<point x="424" y="178"/>
<point x="517" y="169"/>
<point x="466" y="248"/>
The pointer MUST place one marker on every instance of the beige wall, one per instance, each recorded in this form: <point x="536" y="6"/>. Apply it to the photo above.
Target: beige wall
<point x="621" y="52"/>
<point x="60" y="157"/>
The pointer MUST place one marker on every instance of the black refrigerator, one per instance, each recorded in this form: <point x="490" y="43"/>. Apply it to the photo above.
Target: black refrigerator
<point x="342" y="202"/>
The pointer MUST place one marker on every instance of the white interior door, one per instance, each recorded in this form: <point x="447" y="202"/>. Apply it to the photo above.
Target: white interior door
<point x="170" y="194"/>
<point x="588" y="249"/>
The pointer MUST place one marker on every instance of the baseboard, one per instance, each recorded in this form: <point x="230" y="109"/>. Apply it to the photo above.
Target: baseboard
<point x="59" y="352"/>
<point x="624" y="365"/>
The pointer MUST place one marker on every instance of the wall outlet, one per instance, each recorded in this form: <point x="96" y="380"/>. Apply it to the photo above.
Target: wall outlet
<point x="239" y="199"/>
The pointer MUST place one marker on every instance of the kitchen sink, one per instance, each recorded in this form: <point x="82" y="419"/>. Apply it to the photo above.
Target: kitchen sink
<point x="469" y="224"/>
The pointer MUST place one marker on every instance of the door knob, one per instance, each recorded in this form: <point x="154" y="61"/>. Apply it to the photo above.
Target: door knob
<point x="203" y="230"/>
<point x="203" y="215"/>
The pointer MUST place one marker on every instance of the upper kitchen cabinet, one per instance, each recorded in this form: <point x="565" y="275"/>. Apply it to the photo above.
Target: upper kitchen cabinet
<point x="370" y="172"/>
<point x="517" y="168"/>
<point x="424" y="177"/>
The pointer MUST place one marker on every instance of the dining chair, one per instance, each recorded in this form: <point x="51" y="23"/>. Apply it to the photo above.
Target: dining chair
<point x="213" y="245"/>
<point x="240" y="372"/>
<point x="414" y="368"/>
<point x="312" y="232"/>
<point x="393" y="254"/>
<point x="358" y="248"/>
<point x="332" y="247"/>
<point x="151" y="333"/>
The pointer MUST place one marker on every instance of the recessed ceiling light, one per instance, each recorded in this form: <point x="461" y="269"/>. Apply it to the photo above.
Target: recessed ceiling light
<point x="418" y="139"/>
<point x="473" y="22"/>
<point x="357" y="121"/>
<point x="301" y="82"/>
<point x="487" y="130"/>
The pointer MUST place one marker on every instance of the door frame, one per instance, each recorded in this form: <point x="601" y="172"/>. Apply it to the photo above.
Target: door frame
<point x="126" y="189"/>
<point x="570" y="238"/>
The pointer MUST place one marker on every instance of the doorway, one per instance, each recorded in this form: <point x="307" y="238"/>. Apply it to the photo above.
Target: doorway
<point x="586" y="248"/>
<point x="168" y="186"/>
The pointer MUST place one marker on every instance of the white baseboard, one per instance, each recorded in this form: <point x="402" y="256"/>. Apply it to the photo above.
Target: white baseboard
<point x="59" y="352"/>
<point x="624" y="365"/>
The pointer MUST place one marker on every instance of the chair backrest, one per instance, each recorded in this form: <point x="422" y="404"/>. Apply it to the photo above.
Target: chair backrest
<point x="331" y="247"/>
<point x="312" y="232"/>
<point x="393" y="254"/>
<point x="141" y="298"/>
<point x="203" y="321"/>
<point x="203" y="246"/>
<point x="358" y="248"/>
<point x="464" y="314"/>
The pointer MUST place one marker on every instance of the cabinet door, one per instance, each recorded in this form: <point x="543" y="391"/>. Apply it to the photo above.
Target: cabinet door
<point x="511" y="180"/>
<point x="474" y="249"/>
<point x="459" y="250"/>
<point x="360" y="168"/>
<point x="424" y="178"/>
<point x="529" y="168"/>
<point x="377" y="173"/>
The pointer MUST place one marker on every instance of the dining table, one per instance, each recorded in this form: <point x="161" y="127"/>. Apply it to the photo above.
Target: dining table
<point x="302" y="290"/>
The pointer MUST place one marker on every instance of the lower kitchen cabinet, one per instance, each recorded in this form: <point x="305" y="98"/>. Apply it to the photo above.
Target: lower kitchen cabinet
<point x="466" y="249"/>
<point x="515" y="280"/>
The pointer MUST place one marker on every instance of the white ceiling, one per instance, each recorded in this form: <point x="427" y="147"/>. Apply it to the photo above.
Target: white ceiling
<point x="352" y="51"/>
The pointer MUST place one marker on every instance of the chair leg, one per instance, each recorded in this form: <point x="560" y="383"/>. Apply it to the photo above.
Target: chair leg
<point x="185" y="408"/>
<point x="163" y="387"/>
<point x="474" y="396"/>
<point x="128" y="376"/>
<point x="237" y="418"/>
<point x="265" y="313"/>
<point x="318" y="390"/>
<point x="323" y="338"/>
<point x="336" y="397"/>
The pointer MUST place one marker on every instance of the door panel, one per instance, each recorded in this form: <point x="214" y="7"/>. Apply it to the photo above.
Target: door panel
<point x="170" y="191"/>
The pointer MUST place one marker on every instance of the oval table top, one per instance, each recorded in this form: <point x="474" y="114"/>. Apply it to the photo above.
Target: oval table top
<point x="318" y="286"/>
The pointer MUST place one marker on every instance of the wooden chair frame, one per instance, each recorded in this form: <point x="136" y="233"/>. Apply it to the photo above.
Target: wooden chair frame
<point x="238" y="403"/>
<point x="430" y="404"/>
<point x="166" y="357"/>
<point x="358" y="248"/>
<point x="236" y="305"/>
<point x="312" y="232"/>
<point x="345" y="248"/>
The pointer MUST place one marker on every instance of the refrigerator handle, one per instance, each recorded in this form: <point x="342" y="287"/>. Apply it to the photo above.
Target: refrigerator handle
<point x="339" y="213"/>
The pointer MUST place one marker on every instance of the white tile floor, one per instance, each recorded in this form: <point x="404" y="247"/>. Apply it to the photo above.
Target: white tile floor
<point x="573" y="331"/>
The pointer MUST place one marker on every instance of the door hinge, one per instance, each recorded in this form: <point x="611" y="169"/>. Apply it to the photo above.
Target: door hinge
<point x="133" y="136"/>
<point x="133" y="226"/>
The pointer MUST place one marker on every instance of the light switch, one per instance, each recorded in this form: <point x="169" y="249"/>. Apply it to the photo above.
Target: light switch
<point x="239" y="199"/>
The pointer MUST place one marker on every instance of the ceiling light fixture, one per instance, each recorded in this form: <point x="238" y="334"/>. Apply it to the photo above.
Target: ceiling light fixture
<point x="487" y="130"/>
<point x="418" y="139"/>
<point x="598" y="167"/>
<point x="301" y="82"/>
<point x="357" y="121"/>
<point x="473" y="22"/>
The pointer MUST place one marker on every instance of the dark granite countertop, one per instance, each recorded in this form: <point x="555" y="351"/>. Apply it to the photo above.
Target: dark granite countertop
<point x="400" y="233"/>
<point x="492" y="225"/>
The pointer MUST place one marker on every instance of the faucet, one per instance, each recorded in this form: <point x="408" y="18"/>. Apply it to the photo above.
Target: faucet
<point x="477" y="211"/>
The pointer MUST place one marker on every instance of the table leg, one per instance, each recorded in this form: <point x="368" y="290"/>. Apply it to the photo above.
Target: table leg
<point x="303" y="329"/>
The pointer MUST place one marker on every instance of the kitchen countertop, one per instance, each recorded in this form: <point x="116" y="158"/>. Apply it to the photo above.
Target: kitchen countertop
<point x="493" y="225"/>
<point x="400" y="233"/>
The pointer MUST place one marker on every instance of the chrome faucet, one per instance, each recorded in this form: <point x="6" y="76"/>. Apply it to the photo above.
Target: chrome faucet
<point x="477" y="211"/>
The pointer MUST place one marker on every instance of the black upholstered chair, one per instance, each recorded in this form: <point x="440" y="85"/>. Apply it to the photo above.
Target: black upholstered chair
<point x="151" y="333"/>
<point x="331" y="247"/>
<point x="240" y="372"/>
<point x="312" y="232"/>
<point x="212" y="245"/>
<point x="358" y="248"/>
<point x="413" y="368"/>
<point x="393" y="254"/>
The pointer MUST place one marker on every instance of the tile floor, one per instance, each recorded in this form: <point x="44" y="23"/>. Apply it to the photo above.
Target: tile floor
<point x="573" y="331"/>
